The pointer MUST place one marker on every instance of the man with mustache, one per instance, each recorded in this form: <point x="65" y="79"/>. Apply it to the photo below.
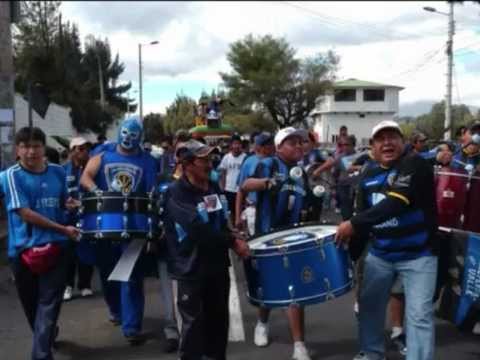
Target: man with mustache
<point x="396" y="207"/>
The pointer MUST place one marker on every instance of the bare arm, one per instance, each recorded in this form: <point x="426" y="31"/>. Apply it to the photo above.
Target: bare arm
<point x="91" y="170"/>
<point x="239" y="198"/>
<point x="34" y="218"/>
<point x="327" y="165"/>
<point x="254" y="184"/>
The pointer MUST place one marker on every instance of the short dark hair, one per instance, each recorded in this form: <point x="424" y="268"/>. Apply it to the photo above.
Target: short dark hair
<point x="101" y="137"/>
<point x="352" y="140"/>
<point x="27" y="134"/>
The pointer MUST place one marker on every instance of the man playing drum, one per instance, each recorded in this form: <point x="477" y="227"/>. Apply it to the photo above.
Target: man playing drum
<point x="125" y="169"/>
<point x="280" y="201"/>
<point x="397" y="207"/>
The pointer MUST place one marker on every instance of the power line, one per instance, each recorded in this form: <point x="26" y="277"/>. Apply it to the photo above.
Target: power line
<point x="334" y="21"/>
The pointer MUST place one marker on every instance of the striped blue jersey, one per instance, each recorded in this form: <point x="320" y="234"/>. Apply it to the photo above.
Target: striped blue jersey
<point x="281" y="206"/>
<point x="44" y="193"/>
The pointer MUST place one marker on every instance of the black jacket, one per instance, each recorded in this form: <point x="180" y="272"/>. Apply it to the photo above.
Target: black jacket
<point x="196" y="246"/>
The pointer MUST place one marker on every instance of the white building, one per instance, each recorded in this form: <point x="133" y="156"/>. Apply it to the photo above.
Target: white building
<point x="356" y="104"/>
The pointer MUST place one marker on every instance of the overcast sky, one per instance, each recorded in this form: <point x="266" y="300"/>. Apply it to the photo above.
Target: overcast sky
<point x="388" y="42"/>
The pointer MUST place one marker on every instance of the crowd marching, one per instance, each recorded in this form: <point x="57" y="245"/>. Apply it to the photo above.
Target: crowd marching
<point x="214" y="198"/>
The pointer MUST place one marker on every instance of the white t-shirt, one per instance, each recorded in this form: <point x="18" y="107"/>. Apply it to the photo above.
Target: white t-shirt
<point x="231" y="165"/>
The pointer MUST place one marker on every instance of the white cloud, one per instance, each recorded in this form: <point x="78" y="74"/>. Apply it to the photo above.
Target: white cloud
<point x="392" y="42"/>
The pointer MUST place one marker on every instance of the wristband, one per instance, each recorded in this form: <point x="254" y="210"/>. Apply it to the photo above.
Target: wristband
<point x="93" y="189"/>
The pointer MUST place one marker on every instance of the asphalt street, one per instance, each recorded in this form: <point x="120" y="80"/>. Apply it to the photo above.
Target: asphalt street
<point x="86" y="332"/>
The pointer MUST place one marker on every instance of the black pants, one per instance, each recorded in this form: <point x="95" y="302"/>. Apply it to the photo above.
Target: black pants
<point x="41" y="297"/>
<point x="345" y="198"/>
<point x="231" y="197"/>
<point x="203" y="306"/>
<point x="85" y="272"/>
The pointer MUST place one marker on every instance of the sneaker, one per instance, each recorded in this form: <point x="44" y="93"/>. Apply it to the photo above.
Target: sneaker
<point x="170" y="346"/>
<point x="476" y="329"/>
<point x="86" y="292"/>
<point x="300" y="352"/>
<point x="136" y="339"/>
<point x="355" y="309"/>
<point x="114" y="320"/>
<point x="68" y="294"/>
<point x="261" y="334"/>
<point x="362" y="356"/>
<point x="399" y="343"/>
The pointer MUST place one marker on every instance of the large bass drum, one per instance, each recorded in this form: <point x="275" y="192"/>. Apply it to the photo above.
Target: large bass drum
<point x="118" y="216"/>
<point x="299" y="265"/>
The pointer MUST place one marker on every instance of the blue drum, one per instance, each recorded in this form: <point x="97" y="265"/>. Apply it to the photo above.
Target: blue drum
<point x="118" y="216"/>
<point x="300" y="265"/>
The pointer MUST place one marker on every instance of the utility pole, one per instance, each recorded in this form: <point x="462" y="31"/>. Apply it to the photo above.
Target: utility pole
<point x="140" y="85"/>
<point x="448" y="100"/>
<point x="7" y="93"/>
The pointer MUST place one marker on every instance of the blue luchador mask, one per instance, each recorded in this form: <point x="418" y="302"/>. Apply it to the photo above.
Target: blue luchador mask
<point x="130" y="133"/>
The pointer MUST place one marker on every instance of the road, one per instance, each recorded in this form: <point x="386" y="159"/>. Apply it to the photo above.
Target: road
<point x="87" y="334"/>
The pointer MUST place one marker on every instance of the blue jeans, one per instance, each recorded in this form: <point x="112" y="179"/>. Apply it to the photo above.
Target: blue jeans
<point x="418" y="277"/>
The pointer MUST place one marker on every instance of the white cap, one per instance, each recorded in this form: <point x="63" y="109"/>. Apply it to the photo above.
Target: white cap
<point x="386" y="124"/>
<point x="77" y="141"/>
<point x="282" y="134"/>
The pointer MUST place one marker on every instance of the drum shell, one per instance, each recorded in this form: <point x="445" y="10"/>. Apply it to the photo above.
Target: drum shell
<point x="313" y="272"/>
<point x="117" y="215"/>
<point x="451" y="195"/>
<point x="471" y="220"/>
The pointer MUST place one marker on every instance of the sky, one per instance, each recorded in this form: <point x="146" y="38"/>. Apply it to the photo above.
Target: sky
<point x="389" y="42"/>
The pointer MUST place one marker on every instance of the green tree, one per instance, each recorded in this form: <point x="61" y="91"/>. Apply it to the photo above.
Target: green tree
<point x="153" y="128"/>
<point x="432" y="124"/>
<point x="266" y="74"/>
<point x="180" y="114"/>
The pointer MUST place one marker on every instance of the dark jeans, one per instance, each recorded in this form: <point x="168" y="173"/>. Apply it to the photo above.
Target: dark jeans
<point x="231" y="196"/>
<point x="75" y="265"/>
<point x="345" y="198"/>
<point x="41" y="297"/>
<point x="203" y="306"/>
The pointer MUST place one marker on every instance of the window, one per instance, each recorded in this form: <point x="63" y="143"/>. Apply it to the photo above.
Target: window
<point x="373" y="95"/>
<point x="346" y="95"/>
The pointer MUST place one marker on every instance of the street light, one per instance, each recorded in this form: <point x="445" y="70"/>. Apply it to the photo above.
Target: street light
<point x="140" y="80"/>
<point x="448" y="96"/>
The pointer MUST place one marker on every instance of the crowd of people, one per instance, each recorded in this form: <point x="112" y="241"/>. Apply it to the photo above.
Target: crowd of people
<point x="214" y="199"/>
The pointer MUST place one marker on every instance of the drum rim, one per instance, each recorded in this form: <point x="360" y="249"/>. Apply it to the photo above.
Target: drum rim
<point x="119" y="195"/>
<point x="274" y="251"/>
<point x="348" y="286"/>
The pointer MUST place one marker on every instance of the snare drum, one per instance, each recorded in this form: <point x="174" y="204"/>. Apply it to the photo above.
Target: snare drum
<point x="300" y="265"/>
<point x="458" y="196"/>
<point x="118" y="216"/>
<point x="451" y="194"/>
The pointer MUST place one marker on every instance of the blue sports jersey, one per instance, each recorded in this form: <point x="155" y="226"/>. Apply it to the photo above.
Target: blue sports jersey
<point x="282" y="207"/>
<point x="44" y="193"/>
<point x="461" y="158"/>
<point x="73" y="175"/>
<point x="127" y="173"/>
<point x="248" y="170"/>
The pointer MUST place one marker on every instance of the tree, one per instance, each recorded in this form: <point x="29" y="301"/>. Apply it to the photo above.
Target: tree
<point x="48" y="51"/>
<point x="153" y="128"/>
<point x="180" y="114"/>
<point x="267" y="74"/>
<point x="432" y="124"/>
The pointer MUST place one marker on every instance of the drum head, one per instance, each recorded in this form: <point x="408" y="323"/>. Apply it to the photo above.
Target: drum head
<point x="292" y="237"/>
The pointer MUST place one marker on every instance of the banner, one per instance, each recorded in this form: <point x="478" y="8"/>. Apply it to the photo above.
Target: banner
<point x="471" y="279"/>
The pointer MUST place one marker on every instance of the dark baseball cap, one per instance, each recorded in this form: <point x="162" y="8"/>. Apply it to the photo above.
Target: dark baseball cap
<point x="264" y="138"/>
<point x="475" y="128"/>
<point x="192" y="148"/>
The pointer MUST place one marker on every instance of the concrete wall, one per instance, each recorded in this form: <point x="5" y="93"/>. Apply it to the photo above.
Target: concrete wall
<point x="328" y="125"/>
<point x="390" y="104"/>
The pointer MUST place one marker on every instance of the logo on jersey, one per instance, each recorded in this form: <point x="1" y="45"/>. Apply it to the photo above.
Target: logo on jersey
<point x="123" y="177"/>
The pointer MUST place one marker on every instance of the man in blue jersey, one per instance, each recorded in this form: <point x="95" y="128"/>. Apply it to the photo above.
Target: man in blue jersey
<point x="125" y="169"/>
<point x="35" y="198"/>
<point x="264" y="148"/>
<point x="397" y="208"/>
<point x="281" y="199"/>
<point x="73" y="168"/>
